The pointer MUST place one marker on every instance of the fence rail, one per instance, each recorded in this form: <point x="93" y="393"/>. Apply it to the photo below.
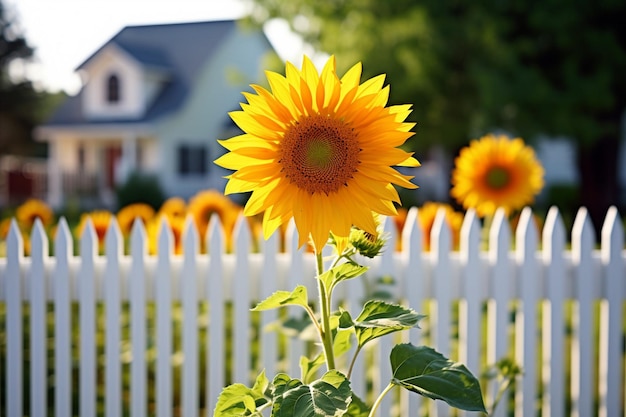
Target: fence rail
<point x="162" y="335"/>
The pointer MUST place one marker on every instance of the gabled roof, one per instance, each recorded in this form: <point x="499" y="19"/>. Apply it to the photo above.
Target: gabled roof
<point x="181" y="49"/>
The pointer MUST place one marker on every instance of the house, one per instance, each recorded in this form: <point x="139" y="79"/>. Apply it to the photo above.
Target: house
<point x="154" y="101"/>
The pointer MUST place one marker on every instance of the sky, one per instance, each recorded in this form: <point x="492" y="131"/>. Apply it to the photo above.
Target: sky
<point x="64" y="33"/>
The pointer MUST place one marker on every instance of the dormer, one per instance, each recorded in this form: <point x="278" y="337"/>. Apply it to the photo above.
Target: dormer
<point x="121" y="82"/>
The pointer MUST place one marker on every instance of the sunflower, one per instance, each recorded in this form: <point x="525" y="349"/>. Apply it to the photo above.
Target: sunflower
<point x="319" y="149"/>
<point x="127" y="215"/>
<point x="207" y="202"/>
<point x="496" y="171"/>
<point x="100" y="220"/>
<point x="426" y="217"/>
<point x="173" y="207"/>
<point x="32" y="209"/>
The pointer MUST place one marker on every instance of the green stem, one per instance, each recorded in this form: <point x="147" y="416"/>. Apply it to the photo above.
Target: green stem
<point x="327" y="335"/>
<point x="379" y="399"/>
<point x="353" y="361"/>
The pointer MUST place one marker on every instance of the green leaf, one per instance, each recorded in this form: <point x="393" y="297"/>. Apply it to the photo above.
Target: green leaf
<point x="347" y="270"/>
<point x="379" y="318"/>
<point x="238" y="400"/>
<point x="328" y="396"/>
<point x="297" y="297"/>
<point x="358" y="408"/>
<point x="428" y="373"/>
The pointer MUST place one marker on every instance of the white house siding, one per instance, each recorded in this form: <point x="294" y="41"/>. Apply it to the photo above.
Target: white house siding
<point x="132" y="97"/>
<point x="203" y="119"/>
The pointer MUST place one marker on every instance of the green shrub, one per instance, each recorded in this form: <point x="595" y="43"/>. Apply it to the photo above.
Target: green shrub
<point x="140" y="188"/>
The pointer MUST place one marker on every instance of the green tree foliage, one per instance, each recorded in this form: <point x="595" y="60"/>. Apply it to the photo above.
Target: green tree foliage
<point x="552" y="67"/>
<point x="22" y="107"/>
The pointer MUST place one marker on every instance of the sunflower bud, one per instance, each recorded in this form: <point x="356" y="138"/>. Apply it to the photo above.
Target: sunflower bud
<point x="366" y="243"/>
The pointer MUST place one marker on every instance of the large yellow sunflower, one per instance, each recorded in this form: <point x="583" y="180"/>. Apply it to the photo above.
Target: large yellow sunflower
<point x="496" y="171"/>
<point x="319" y="149"/>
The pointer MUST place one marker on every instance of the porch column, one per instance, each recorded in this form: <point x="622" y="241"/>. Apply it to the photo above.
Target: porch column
<point x="55" y="182"/>
<point x="128" y="162"/>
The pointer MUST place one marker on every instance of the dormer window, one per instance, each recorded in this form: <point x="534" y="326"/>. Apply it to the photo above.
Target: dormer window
<point x="113" y="89"/>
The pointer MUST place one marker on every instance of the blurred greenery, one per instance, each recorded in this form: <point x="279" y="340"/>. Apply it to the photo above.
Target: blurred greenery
<point x="552" y="67"/>
<point x="140" y="188"/>
<point x="22" y="106"/>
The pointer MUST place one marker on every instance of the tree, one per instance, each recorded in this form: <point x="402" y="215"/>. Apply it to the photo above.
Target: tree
<point x="548" y="67"/>
<point x="22" y="107"/>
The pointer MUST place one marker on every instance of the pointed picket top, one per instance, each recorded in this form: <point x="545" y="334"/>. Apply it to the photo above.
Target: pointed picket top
<point x="411" y="233"/>
<point x="89" y="240"/>
<point x="114" y="247"/>
<point x="583" y="235"/>
<point x="215" y="237"/>
<point x="242" y="236"/>
<point x="165" y="241"/>
<point x="526" y="235"/>
<point x="63" y="243"/>
<point x="38" y="241"/>
<point x="386" y="257"/>
<point x="469" y="245"/>
<point x="14" y="242"/>
<point x="499" y="235"/>
<point x="138" y="245"/>
<point x="190" y="238"/>
<point x="388" y="226"/>
<point x="612" y="235"/>
<point x="440" y="235"/>
<point x="553" y="236"/>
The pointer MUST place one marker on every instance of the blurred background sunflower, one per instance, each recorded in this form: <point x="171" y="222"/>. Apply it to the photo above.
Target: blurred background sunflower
<point x="496" y="171"/>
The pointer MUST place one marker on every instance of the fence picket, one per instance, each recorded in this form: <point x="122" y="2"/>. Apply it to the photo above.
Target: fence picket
<point x="268" y="284"/>
<point x="553" y="325"/>
<point x="38" y="330"/>
<point x="112" y="299"/>
<point x="163" y="298"/>
<point x="190" y="316"/>
<point x="412" y="281"/>
<point x="473" y="294"/>
<point x="527" y="238"/>
<point x="87" y="320"/>
<point x="441" y="245"/>
<point x="137" y="298"/>
<point x="63" y="248"/>
<point x="498" y="304"/>
<point x="215" y="295"/>
<point x="13" y="294"/>
<point x="583" y="237"/>
<point x="241" y="297"/>
<point x="611" y="316"/>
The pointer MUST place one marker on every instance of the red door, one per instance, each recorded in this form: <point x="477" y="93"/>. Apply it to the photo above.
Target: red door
<point x="112" y="157"/>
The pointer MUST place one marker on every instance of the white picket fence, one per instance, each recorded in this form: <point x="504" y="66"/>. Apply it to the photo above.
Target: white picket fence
<point x="558" y="311"/>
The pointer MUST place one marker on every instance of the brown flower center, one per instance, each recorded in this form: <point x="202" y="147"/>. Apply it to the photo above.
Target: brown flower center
<point x="498" y="177"/>
<point x="319" y="154"/>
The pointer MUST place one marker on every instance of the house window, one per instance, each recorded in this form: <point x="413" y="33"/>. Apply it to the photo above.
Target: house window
<point x="113" y="89"/>
<point x="192" y="160"/>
